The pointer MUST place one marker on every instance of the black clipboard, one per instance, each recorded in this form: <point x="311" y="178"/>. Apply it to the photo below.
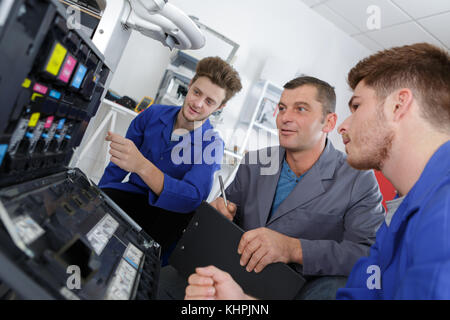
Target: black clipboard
<point x="211" y="239"/>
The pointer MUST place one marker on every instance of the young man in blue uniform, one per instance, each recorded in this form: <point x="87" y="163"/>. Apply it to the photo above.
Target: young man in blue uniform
<point x="172" y="153"/>
<point x="400" y="124"/>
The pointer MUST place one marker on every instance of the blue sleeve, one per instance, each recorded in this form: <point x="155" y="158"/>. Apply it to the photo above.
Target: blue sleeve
<point x="186" y="194"/>
<point x="356" y="286"/>
<point x="428" y="277"/>
<point x="135" y="132"/>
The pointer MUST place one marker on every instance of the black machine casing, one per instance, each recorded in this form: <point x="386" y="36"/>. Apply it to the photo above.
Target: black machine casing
<point x="61" y="237"/>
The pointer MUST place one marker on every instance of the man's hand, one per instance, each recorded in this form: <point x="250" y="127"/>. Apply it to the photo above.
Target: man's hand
<point x="125" y="154"/>
<point x="229" y="211"/>
<point x="262" y="246"/>
<point x="211" y="283"/>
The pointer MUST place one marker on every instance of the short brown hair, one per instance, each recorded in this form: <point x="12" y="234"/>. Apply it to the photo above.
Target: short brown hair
<point x="421" y="67"/>
<point x="325" y="92"/>
<point x="221" y="74"/>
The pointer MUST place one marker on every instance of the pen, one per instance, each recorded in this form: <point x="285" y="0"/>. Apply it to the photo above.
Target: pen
<point x="222" y="189"/>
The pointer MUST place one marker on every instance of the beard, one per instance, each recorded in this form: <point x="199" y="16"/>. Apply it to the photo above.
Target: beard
<point x="375" y="141"/>
<point x="189" y="118"/>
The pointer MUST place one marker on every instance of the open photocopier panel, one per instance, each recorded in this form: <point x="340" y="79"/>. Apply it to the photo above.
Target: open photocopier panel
<point x="61" y="237"/>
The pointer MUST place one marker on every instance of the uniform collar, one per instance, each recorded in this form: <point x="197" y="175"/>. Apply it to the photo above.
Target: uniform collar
<point x="168" y="117"/>
<point x="435" y="170"/>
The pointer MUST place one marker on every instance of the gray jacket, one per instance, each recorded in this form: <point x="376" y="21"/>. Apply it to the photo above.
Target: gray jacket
<point x="334" y="210"/>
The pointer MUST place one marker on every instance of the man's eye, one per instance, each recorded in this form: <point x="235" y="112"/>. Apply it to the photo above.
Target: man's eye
<point x="281" y="108"/>
<point x="354" y="107"/>
<point x="301" y="109"/>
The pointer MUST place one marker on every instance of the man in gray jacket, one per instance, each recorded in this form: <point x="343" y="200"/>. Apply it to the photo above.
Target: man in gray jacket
<point x="315" y="212"/>
<point x="300" y="203"/>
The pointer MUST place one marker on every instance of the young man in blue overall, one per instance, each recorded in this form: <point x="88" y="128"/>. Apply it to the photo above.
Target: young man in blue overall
<point x="172" y="153"/>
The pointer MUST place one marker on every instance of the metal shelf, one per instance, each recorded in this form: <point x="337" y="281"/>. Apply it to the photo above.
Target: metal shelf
<point x="272" y="131"/>
<point x="232" y="154"/>
<point x="268" y="89"/>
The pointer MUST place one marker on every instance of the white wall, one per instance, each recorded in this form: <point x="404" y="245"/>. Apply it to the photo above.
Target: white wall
<point x="285" y="31"/>
<point x="141" y="67"/>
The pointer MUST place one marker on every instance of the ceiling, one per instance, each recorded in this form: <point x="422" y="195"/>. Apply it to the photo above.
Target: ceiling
<point x="391" y="22"/>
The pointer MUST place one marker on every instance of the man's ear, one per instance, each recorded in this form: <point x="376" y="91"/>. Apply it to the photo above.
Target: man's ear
<point x="221" y="107"/>
<point x="330" y="122"/>
<point x="403" y="100"/>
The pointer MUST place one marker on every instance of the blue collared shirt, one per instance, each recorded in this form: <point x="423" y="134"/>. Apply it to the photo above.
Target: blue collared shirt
<point x="410" y="258"/>
<point x="188" y="165"/>
<point x="286" y="183"/>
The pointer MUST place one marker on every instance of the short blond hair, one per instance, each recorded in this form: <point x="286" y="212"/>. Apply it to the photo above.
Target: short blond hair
<point x="221" y="74"/>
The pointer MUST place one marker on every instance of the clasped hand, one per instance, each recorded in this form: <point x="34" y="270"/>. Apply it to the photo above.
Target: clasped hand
<point x="263" y="246"/>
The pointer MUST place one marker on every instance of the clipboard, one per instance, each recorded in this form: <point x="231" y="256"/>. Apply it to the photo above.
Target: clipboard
<point x="211" y="239"/>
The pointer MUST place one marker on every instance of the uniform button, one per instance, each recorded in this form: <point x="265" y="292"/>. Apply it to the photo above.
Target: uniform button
<point x="162" y="158"/>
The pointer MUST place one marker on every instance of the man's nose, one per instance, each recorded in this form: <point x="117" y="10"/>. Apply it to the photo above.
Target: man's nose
<point x="286" y="116"/>
<point x="343" y="127"/>
<point x="197" y="102"/>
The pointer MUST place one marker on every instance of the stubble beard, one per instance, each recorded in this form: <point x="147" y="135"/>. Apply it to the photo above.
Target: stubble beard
<point x="375" y="147"/>
<point x="186" y="118"/>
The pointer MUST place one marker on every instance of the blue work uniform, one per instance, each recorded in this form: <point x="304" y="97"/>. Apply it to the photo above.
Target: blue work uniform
<point x="411" y="257"/>
<point x="188" y="165"/>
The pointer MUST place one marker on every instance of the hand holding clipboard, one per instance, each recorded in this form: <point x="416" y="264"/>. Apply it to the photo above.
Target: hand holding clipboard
<point x="212" y="239"/>
<point x="227" y="208"/>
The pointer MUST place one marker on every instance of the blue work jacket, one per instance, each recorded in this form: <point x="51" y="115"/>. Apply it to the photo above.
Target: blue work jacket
<point x="411" y="257"/>
<point x="188" y="164"/>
